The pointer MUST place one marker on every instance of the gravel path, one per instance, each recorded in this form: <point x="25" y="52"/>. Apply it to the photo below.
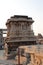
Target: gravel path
<point x="7" y="62"/>
<point x="3" y="61"/>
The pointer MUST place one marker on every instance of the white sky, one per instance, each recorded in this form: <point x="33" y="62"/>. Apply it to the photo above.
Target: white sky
<point x="31" y="8"/>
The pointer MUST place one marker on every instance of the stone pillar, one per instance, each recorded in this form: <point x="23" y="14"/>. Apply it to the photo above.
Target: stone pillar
<point x="8" y="29"/>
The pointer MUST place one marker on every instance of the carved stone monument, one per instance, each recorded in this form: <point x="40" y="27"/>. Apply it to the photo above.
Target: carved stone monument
<point x="19" y="33"/>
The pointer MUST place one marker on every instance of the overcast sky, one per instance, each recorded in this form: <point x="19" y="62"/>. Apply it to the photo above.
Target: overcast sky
<point x="31" y="8"/>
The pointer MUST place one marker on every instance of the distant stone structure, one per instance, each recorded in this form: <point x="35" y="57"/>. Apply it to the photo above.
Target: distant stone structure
<point x="39" y="39"/>
<point x="19" y="33"/>
<point x="2" y="31"/>
<point x="1" y="37"/>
